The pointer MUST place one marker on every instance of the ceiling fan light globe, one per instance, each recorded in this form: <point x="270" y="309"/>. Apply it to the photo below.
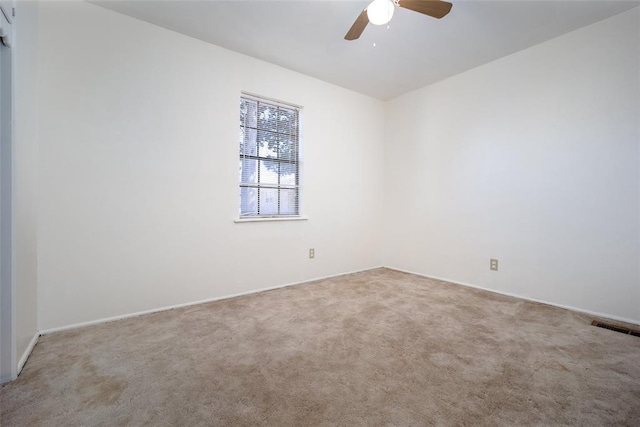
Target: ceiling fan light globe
<point x="380" y="12"/>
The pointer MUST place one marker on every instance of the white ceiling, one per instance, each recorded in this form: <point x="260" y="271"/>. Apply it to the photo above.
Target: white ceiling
<point x="417" y="50"/>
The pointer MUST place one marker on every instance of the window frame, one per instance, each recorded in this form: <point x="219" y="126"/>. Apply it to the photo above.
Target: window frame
<point x="258" y="185"/>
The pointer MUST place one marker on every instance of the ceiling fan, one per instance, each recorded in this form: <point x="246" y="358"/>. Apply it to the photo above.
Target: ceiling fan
<point x="379" y="12"/>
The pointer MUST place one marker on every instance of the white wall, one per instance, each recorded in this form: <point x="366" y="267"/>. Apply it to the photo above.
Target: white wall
<point x="138" y="171"/>
<point x="25" y="178"/>
<point x="532" y="159"/>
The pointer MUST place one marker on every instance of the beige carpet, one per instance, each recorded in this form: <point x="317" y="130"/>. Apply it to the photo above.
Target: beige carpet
<point x="373" y="348"/>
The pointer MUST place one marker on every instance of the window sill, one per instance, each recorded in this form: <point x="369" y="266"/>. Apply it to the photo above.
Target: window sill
<point x="254" y="219"/>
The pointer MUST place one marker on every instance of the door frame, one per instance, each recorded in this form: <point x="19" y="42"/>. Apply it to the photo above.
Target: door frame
<point x="8" y="366"/>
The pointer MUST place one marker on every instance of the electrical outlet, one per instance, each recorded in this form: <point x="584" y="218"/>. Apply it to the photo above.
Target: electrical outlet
<point x="312" y="253"/>
<point x="493" y="264"/>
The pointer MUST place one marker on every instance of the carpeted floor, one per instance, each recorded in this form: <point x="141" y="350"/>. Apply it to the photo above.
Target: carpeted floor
<point x="374" y="348"/>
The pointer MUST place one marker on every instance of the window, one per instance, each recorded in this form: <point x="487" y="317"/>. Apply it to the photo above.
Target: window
<point x="269" y="158"/>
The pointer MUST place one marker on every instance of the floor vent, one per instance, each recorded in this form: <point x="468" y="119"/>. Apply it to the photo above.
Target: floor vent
<point x="616" y="328"/>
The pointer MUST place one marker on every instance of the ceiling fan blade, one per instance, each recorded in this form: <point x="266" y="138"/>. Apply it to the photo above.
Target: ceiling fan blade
<point x="358" y="27"/>
<point x="434" y="8"/>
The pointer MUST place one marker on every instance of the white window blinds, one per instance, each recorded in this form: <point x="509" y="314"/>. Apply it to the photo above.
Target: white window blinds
<point x="269" y="158"/>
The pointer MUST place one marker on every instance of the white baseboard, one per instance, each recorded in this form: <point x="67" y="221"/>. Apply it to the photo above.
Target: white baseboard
<point x="566" y="307"/>
<point x="187" y="304"/>
<point x="27" y="352"/>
